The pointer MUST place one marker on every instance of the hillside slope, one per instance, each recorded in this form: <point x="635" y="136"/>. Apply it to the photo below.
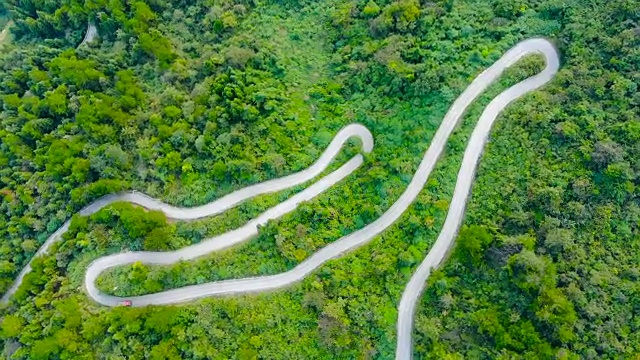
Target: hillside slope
<point x="188" y="101"/>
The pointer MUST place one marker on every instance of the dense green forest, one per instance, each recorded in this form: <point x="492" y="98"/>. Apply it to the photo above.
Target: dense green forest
<point x="190" y="100"/>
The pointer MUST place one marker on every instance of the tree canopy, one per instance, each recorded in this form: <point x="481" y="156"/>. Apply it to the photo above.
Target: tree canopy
<point x="190" y="100"/>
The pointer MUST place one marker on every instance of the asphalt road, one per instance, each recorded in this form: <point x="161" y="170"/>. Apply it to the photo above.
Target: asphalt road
<point x="411" y="295"/>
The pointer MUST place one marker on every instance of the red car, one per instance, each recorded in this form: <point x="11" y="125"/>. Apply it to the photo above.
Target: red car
<point x="126" y="303"/>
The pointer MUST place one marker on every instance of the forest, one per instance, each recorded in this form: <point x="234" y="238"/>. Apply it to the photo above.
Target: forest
<point x="189" y="100"/>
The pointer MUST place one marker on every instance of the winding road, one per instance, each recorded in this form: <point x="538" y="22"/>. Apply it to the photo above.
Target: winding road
<point x="412" y="292"/>
<point x="218" y="206"/>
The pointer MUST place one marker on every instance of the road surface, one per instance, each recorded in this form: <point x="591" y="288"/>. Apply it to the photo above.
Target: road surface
<point x="90" y="35"/>
<point x="455" y="215"/>
<point x="4" y="34"/>
<point x="412" y="292"/>
<point x="223" y="204"/>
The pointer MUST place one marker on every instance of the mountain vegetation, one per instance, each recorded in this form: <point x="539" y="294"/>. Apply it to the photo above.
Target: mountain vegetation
<point x="190" y="100"/>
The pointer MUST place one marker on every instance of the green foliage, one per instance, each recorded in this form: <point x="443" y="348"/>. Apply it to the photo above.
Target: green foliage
<point x="531" y="272"/>
<point x="371" y="9"/>
<point x="471" y="244"/>
<point x="11" y="326"/>
<point x="156" y="45"/>
<point x="190" y="100"/>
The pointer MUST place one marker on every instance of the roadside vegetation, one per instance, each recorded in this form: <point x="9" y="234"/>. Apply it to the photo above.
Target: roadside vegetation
<point x="188" y="101"/>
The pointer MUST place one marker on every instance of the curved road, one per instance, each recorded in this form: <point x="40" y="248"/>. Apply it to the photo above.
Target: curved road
<point x="5" y="32"/>
<point x="455" y="215"/>
<point x="89" y="35"/>
<point x="223" y="204"/>
<point x="347" y="243"/>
